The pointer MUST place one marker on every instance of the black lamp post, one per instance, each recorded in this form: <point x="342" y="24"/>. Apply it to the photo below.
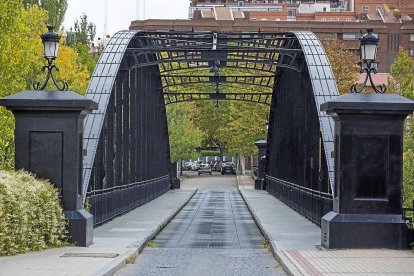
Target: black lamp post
<point x="214" y="69"/>
<point x="368" y="50"/>
<point x="50" y="42"/>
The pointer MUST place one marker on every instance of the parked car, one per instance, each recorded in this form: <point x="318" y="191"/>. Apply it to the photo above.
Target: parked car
<point x="194" y="166"/>
<point x="217" y="166"/>
<point x="227" y="167"/>
<point x="187" y="166"/>
<point x="204" y="168"/>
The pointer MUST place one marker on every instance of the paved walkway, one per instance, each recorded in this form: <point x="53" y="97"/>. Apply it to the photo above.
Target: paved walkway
<point x="114" y="243"/>
<point x="214" y="234"/>
<point x="293" y="239"/>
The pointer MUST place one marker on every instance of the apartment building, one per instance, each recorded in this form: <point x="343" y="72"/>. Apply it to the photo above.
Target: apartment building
<point x="346" y="20"/>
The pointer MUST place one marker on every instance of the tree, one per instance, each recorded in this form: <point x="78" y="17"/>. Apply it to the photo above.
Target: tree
<point x="83" y="32"/>
<point x="21" y="58"/>
<point x="56" y="10"/>
<point x="402" y="82"/>
<point x="184" y="136"/>
<point x="81" y="38"/>
<point x="72" y="70"/>
<point x="402" y="75"/>
<point x="344" y="64"/>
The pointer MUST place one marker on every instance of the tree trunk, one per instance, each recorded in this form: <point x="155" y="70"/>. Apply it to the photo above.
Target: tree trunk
<point x="242" y="164"/>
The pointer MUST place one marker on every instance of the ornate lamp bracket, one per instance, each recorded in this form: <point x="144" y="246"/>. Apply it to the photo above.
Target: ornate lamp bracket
<point x="49" y="67"/>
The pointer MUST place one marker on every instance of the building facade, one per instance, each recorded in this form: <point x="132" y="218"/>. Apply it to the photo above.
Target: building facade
<point x="346" y="20"/>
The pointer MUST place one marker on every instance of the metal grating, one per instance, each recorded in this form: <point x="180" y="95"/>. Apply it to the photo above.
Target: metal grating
<point x="212" y="219"/>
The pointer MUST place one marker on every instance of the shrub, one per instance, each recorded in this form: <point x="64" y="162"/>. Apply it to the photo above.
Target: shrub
<point x="408" y="178"/>
<point x="31" y="217"/>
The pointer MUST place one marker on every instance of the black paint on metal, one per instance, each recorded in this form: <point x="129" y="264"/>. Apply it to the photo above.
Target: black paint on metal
<point x="139" y="73"/>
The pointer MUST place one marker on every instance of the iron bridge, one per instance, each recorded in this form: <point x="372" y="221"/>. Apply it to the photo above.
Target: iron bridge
<point x="126" y="142"/>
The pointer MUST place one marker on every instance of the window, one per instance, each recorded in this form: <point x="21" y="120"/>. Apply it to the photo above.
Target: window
<point x="379" y="8"/>
<point x="348" y="19"/>
<point x="365" y="8"/>
<point x="323" y="19"/>
<point x="411" y="37"/>
<point x="412" y="52"/>
<point x="351" y="36"/>
<point x="326" y="36"/>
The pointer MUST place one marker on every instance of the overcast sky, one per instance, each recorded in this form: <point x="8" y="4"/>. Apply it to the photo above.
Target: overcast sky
<point x="122" y="12"/>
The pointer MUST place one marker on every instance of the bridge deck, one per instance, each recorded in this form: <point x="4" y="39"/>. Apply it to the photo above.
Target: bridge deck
<point x="214" y="234"/>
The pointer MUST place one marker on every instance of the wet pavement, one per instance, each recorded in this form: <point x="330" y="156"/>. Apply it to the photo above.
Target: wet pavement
<point x="214" y="234"/>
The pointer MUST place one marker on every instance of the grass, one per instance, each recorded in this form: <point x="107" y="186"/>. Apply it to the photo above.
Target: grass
<point x="152" y="243"/>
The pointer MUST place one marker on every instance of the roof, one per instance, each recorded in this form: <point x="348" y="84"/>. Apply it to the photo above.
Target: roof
<point x="378" y="78"/>
<point x="223" y="13"/>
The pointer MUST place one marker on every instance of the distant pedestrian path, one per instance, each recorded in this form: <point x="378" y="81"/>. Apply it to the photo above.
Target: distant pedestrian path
<point x="214" y="234"/>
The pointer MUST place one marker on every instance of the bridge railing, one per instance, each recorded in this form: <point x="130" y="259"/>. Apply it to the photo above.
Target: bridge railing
<point x="312" y="204"/>
<point x="108" y="203"/>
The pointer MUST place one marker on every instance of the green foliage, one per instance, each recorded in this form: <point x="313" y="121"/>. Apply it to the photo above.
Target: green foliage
<point x="85" y="58"/>
<point x="71" y="70"/>
<point x="235" y="125"/>
<point x="56" y="10"/>
<point x="31" y="217"/>
<point x="21" y="58"/>
<point x="344" y="64"/>
<point x="402" y="75"/>
<point x="184" y="136"/>
<point x="83" y="32"/>
<point x="402" y="82"/>
<point x="210" y="153"/>
<point x="408" y="179"/>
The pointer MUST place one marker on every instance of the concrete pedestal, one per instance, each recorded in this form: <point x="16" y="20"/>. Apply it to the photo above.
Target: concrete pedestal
<point x="48" y="141"/>
<point x="260" y="181"/>
<point x="367" y="209"/>
<point x="175" y="181"/>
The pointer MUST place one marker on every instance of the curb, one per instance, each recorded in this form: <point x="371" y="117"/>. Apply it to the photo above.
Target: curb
<point x="121" y="261"/>
<point x="287" y="265"/>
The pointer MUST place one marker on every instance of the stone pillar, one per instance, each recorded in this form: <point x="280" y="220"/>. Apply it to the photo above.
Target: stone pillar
<point x="175" y="181"/>
<point x="367" y="207"/>
<point x="259" y="183"/>
<point x="48" y="142"/>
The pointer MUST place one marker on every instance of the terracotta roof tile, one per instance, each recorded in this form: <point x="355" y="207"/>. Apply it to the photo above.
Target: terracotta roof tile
<point x="378" y="78"/>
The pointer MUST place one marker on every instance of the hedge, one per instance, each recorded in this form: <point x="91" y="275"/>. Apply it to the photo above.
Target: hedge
<point x="31" y="217"/>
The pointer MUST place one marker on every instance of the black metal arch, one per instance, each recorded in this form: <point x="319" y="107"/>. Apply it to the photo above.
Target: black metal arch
<point x="126" y="143"/>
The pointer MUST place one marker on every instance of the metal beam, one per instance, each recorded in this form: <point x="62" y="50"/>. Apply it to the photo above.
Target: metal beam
<point x="176" y="97"/>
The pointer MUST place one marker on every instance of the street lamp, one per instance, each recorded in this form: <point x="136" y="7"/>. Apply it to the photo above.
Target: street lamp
<point x="214" y="69"/>
<point x="50" y="42"/>
<point x="368" y="50"/>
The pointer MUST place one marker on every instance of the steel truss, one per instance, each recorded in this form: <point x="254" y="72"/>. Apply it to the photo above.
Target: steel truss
<point x="262" y="98"/>
<point x="126" y="142"/>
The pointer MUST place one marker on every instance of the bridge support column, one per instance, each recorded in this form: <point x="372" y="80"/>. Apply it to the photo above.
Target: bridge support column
<point x="259" y="183"/>
<point x="367" y="208"/>
<point x="175" y="181"/>
<point x="48" y="141"/>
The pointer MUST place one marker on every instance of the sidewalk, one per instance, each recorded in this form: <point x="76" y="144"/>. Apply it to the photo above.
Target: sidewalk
<point x="293" y="240"/>
<point x="115" y="242"/>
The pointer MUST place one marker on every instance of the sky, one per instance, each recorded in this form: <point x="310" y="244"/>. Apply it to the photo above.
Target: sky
<point x="122" y="12"/>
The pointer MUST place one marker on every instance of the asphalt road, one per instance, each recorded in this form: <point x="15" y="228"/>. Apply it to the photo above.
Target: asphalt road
<point x="214" y="234"/>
